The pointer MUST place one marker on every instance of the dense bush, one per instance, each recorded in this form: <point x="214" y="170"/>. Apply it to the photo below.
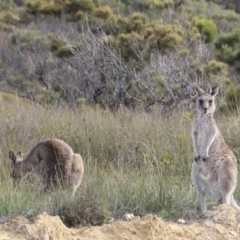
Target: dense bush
<point x="206" y="28"/>
<point x="6" y="27"/>
<point x="126" y="45"/>
<point x="33" y="6"/>
<point x="66" y="50"/>
<point x="11" y="18"/>
<point x="86" y="211"/>
<point x="137" y="22"/>
<point x="103" y="12"/>
<point x="215" y="68"/>
<point x="145" y="6"/>
<point x="55" y="43"/>
<point x="72" y="6"/>
<point x="227" y="47"/>
<point x="56" y="7"/>
<point x="25" y="39"/>
<point x="6" y="5"/>
<point x="19" y="2"/>
<point x="51" y="9"/>
<point x="164" y="37"/>
<point x="116" y="25"/>
<point x="230" y="39"/>
<point x="233" y="97"/>
<point x="227" y="54"/>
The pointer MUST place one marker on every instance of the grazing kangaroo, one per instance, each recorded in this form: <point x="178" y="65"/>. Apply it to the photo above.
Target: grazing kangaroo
<point x="214" y="171"/>
<point x="53" y="160"/>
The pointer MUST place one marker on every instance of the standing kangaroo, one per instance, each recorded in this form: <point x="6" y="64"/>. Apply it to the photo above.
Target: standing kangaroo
<point x="214" y="171"/>
<point x="53" y="160"/>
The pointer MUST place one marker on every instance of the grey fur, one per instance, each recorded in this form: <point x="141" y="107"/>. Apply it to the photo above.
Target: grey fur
<point x="214" y="170"/>
<point x="53" y="160"/>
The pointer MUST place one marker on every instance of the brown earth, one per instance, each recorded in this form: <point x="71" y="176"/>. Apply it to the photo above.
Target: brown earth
<point x="222" y="222"/>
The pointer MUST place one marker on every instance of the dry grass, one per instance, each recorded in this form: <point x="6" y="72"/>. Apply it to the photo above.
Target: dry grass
<point x="134" y="162"/>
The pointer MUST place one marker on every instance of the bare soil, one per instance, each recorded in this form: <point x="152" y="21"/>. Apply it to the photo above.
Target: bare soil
<point x="223" y="222"/>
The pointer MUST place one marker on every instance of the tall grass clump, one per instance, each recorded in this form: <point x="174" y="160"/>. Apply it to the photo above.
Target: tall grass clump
<point x="134" y="162"/>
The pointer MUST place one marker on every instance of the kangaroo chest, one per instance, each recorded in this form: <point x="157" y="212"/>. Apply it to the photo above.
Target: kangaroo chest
<point x="205" y="131"/>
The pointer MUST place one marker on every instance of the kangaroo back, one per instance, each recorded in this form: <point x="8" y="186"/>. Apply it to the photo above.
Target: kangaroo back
<point x="53" y="160"/>
<point x="77" y="172"/>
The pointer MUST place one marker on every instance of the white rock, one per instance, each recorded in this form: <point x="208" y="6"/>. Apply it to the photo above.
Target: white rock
<point x="128" y="216"/>
<point x="181" y="221"/>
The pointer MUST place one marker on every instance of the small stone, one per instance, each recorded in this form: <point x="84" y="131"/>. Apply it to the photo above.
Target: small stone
<point x="181" y="221"/>
<point x="128" y="216"/>
<point x="232" y="233"/>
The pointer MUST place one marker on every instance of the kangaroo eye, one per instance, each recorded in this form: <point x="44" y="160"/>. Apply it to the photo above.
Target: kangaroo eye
<point x="210" y="101"/>
<point x="201" y="102"/>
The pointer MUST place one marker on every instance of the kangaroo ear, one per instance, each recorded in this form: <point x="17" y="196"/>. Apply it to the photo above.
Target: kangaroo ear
<point x="214" y="90"/>
<point x="12" y="156"/>
<point x="19" y="157"/>
<point x="198" y="89"/>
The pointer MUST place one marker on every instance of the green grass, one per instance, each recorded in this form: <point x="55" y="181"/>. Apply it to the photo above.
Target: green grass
<point x="134" y="162"/>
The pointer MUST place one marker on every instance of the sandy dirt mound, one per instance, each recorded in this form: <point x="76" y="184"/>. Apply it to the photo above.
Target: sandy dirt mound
<point x="222" y="222"/>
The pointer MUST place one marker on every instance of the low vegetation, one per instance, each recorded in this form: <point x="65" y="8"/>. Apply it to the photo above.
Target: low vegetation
<point x="135" y="162"/>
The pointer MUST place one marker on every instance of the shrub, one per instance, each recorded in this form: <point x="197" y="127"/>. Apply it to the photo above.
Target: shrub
<point x="226" y="54"/>
<point x="19" y="2"/>
<point x="122" y="24"/>
<point x="6" y="27"/>
<point x="214" y="68"/>
<point x="144" y="6"/>
<point x="80" y="15"/>
<point x="230" y="39"/>
<point x="206" y="28"/>
<point x="84" y="211"/>
<point x="103" y="12"/>
<point x="51" y="8"/>
<point x="233" y="97"/>
<point x="25" y="39"/>
<point x="73" y="6"/>
<point x="161" y="4"/>
<point x="50" y="96"/>
<point x="164" y="37"/>
<point x="21" y="36"/>
<point x="64" y="51"/>
<point x="11" y="18"/>
<point x="6" y="5"/>
<point x="8" y="97"/>
<point x="137" y="21"/>
<point x="113" y="25"/>
<point x="97" y="3"/>
<point x="55" y="43"/>
<point x="151" y="27"/>
<point x="110" y="26"/>
<point x="226" y="20"/>
<point x="25" y="17"/>
<point x="127" y="44"/>
<point x="227" y="47"/>
<point x="33" y="6"/>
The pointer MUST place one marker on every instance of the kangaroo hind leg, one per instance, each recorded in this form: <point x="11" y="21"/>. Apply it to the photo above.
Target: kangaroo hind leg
<point x="234" y="204"/>
<point x="202" y="201"/>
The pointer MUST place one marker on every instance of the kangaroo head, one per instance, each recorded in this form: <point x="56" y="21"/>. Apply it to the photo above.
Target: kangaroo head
<point x="16" y="171"/>
<point x="206" y="100"/>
